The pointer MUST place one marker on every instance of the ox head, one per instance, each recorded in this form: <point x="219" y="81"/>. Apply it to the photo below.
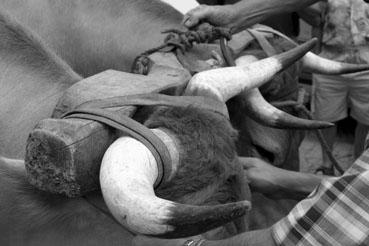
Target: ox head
<point x="258" y="134"/>
<point x="129" y="170"/>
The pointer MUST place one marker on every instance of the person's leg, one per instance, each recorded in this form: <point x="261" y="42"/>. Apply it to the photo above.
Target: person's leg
<point x="329" y="103"/>
<point x="329" y="136"/>
<point x="359" y="104"/>
<point x="360" y="135"/>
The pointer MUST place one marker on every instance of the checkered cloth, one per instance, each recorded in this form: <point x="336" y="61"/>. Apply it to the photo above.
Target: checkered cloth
<point x="335" y="213"/>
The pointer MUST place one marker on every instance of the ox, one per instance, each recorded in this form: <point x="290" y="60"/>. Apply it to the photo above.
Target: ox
<point x="37" y="218"/>
<point x="28" y="204"/>
<point x="30" y="217"/>
<point x="92" y="36"/>
<point x="33" y="79"/>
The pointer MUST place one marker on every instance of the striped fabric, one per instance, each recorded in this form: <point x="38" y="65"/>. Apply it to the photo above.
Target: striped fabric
<point x="335" y="213"/>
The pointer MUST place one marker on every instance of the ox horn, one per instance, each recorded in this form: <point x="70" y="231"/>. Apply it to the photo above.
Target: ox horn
<point x="225" y="83"/>
<point x="263" y="112"/>
<point x="128" y="173"/>
<point x="316" y="64"/>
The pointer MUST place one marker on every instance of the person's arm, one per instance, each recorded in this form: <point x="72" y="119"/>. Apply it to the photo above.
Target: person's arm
<point x="250" y="238"/>
<point x="277" y="182"/>
<point x="244" y="13"/>
<point x="311" y="15"/>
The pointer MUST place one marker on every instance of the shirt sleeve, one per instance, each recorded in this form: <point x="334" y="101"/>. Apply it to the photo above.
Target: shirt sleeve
<point x="335" y="213"/>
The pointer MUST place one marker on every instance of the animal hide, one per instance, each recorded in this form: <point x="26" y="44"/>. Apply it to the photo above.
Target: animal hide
<point x="207" y="155"/>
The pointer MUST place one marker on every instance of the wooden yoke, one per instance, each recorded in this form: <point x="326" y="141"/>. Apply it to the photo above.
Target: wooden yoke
<point x="63" y="155"/>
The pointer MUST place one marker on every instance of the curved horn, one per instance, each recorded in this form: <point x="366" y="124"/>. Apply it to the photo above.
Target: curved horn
<point x="128" y="172"/>
<point x="316" y="64"/>
<point x="263" y="112"/>
<point x="225" y="83"/>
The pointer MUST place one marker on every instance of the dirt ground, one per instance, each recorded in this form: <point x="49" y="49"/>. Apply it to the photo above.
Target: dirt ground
<point x="311" y="155"/>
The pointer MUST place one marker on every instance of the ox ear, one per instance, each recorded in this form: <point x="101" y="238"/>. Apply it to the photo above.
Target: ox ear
<point x="127" y="176"/>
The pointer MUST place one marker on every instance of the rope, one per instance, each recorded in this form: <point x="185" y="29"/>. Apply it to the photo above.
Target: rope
<point x="299" y="106"/>
<point x="181" y="40"/>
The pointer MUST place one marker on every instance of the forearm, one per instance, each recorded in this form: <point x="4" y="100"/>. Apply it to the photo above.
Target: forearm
<point x="250" y="12"/>
<point x="250" y="238"/>
<point x="311" y="15"/>
<point x="295" y="185"/>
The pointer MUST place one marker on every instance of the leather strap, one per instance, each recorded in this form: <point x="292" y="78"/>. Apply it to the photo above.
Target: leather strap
<point x="269" y="49"/>
<point x="133" y="129"/>
<point x="96" y="110"/>
<point x="263" y="42"/>
<point x="262" y="28"/>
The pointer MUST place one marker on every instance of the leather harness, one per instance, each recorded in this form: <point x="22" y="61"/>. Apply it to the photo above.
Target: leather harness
<point x="98" y="110"/>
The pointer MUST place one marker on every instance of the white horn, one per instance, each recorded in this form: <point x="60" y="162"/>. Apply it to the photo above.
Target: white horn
<point x="316" y="64"/>
<point x="127" y="176"/>
<point x="263" y="112"/>
<point x="225" y="83"/>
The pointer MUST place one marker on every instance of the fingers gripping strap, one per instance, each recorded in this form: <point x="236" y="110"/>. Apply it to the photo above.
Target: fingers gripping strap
<point x="262" y="28"/>
<point x="133" y="129"/>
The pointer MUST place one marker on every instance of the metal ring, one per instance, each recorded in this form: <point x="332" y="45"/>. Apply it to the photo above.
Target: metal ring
<point x="189" y="242"/>
<point x="192" y="242"/>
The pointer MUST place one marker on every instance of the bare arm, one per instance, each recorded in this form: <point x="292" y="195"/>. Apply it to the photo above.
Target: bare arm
<point x="312" y="15"/>
<point x="250" y="238"/>
<point x="244" y="13"/>
<point x="277" y="182"/>
<point x="250" y="12"/>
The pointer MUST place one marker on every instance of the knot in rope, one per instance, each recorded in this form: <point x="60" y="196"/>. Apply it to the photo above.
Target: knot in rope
<point x="205" y="33"/>
<point x="180" y="40"/>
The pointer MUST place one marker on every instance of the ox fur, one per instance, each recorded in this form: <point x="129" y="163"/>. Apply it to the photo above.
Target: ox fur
<point x="207" y="155"/>
<point x="32" y="79"/>
<point x="94" y="35"/>
<point x="30" y="50"/>
<point x="208" y="172"/>
<point x="34" y="218"/>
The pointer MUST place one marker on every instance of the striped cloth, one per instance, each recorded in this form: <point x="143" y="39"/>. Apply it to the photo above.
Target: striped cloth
<point x="335" y="213"/>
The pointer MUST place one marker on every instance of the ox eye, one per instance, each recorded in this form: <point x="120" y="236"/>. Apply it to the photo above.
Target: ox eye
<point x="264" y="154"/>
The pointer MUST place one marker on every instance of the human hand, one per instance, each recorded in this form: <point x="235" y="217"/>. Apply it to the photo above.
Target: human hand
<point x="276" y="182"/>
<point x="150" y="241"/>
<point x="216" y="15"/>
<point x="263" y="176"/>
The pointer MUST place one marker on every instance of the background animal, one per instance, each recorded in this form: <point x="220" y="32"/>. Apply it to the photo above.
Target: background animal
<point x="92" y="35"/>
<point x="32" y="80"/>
